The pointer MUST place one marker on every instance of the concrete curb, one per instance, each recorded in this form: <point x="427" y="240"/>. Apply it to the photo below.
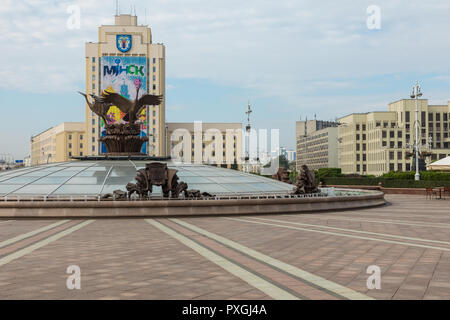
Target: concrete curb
<point x="171" y="208"/>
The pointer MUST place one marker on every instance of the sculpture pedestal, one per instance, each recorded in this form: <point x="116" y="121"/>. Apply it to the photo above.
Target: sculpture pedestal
<point x="123" y="139"/>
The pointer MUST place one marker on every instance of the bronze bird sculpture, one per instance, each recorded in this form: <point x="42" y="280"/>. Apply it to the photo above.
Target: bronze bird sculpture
<point x="131" y="108"/>
<point x="99" y="107"/>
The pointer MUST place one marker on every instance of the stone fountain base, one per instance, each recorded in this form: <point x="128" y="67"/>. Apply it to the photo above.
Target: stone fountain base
<point x="122" y="139"/>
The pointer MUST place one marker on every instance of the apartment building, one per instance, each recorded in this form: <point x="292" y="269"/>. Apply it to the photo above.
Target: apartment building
<point x="317" y="144"/>
<point x="209" y="143"/>
<point x="378" y="142"/>
<point x="58" y="143"/>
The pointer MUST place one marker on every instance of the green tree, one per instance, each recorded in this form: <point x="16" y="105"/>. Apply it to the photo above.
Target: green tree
<point x="284" y="163"/>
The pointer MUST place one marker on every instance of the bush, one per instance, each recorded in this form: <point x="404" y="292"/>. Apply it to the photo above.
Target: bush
<point x="424" y="175"/>
<point x="386" y="182"/>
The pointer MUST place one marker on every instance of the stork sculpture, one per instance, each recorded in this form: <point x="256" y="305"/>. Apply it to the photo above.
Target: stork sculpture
<point x="131" y="108"/>
<point x="99" y="107"/>
<point x="125" y="137"/>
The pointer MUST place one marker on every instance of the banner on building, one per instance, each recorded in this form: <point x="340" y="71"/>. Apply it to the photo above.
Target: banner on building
<point x="118" y="75"/>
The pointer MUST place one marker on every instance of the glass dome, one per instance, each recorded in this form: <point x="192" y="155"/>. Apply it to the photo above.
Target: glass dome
<point x="97" y="178"/>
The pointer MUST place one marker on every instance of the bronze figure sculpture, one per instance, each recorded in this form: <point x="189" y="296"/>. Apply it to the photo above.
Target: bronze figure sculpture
<point x="305" y="181"/>
<point x="158" y="174"/>
<point x="142" y="187"/>
<point x="282" y="175"/>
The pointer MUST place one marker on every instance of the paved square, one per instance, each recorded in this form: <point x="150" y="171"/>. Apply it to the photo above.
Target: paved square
<point x="297" y="256"/>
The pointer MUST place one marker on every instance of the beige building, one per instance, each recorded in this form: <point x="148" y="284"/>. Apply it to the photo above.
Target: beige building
<point x="58" y="143"/>
<point x="140" y="46"/>
<point x="378" y="142"/>
<point x="317" y="144"/>
<point x="209" y="143"/>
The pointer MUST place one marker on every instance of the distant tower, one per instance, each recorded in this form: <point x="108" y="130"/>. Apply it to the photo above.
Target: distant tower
<point x="248" y="112"/>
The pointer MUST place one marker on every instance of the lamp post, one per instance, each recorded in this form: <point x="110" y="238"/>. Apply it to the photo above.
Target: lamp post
<point x="248" y="130"/>
<point x="415" y="95"/>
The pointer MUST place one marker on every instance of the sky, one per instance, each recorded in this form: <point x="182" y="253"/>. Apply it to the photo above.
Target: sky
<point x="291" y="58"/>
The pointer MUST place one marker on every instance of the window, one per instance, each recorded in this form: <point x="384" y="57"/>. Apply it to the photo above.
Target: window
<point x="399" y="134"/>
<point x="364" y="127"/>
<point x="358" y="157"/>
<point x="93" y="148"/>
<point x="357" y="127"/>
<point x="384" y="144"/>
<point x="392" y="144"/>
<point x="430" y="116"/>
<point x="70" y="137"/>
<point x="357" y="147"/>
<point x="81" y="154"/>
<point x="399" y="167"/>
<point x="154" y="113"/>
<point x="70" y="154"/>
<point x="93" y="139"/>
<point x="378" y="124"/>
<point x="93" y="78"/>
<point x="364" y="136"/>
<point x="93" y="86"/>
<point x="93" y="130"/>
<point x="407" y="116"/>
<point x="408" y="167"/>
<point x="154" y="87"/>
<point x="364" y="157"/>
<point x="364" y="147"/>
<point x="391" y="155"/>
<point x="391" y="167"/>
<point x="357" y="137"/>
<point x="358" y="168"/>
<point x="423" y="118"/>
<point x="438" y="117"/>
<point x="400" y="144"/>
<point x="93" y="59"/>
<point x="81" y="137"/>
<point x="383" y="134"/>
<point x="392" y="134"/>
<point x="154" y="69"/>
<point x="81" y="145"/>
<point x="445" y="117"/>
<point x="399" y="155"/>
<point x="154" y="60"/>
<point x="93" y="121"/>
<point x="364" y="168"/>
<point x="70" y="146"/>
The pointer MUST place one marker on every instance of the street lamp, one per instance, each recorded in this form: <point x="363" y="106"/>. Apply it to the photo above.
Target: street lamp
<point x="415" y="95"/>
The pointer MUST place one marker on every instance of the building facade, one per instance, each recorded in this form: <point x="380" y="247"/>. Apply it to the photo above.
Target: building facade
<point x="125" y="52"/>
<point x="378" y="142"/>
<point x="209" y="143"/>
<point x="58" y="143"/>
<point x="317" y="144"/>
